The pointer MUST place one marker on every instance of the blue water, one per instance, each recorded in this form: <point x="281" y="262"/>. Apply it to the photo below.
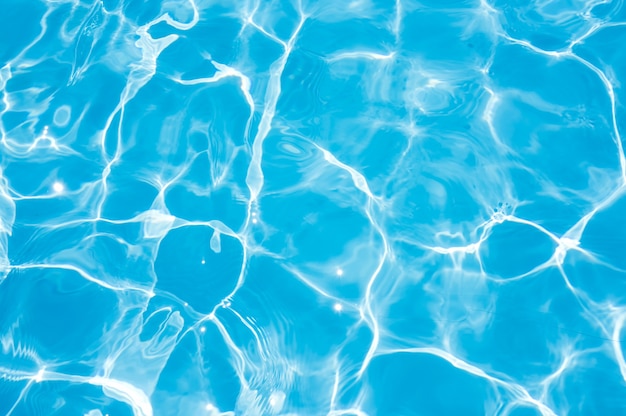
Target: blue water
<point x="312" y="207"/>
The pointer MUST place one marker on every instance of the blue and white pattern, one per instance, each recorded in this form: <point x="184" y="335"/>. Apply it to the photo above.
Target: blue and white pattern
<point x="298" y="207"/>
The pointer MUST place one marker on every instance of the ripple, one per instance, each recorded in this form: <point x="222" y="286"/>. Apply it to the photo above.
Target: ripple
<point x="316" y="208"/>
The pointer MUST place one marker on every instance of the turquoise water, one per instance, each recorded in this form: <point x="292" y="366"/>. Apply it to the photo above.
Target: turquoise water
<point x="312" y="207"/>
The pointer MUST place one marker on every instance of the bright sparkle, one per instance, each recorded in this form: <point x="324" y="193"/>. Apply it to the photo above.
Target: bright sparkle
<point x="58" y="187"/>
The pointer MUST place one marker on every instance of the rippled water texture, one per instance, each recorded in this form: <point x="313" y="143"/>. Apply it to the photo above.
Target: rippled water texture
<point x="364" y="207"/>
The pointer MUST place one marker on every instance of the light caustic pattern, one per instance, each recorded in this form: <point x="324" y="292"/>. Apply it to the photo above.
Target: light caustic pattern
<point x="312" y="208"/>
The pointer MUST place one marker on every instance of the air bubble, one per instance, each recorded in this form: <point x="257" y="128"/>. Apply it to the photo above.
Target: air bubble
<point x="62" y="116"/>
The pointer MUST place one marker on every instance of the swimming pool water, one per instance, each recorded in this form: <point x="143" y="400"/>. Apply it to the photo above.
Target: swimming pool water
<point x="293" y="207"/>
